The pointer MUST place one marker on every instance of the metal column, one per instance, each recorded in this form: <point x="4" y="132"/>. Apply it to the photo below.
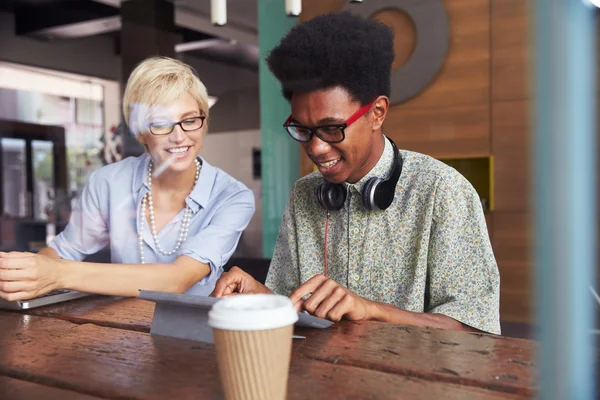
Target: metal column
<point x="564" y="75"/>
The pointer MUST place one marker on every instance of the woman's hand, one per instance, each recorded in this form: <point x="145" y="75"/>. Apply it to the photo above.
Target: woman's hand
<point x="28" y="275"/>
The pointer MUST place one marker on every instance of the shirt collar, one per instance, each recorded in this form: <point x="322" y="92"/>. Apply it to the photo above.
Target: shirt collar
<point x="199" y="196"/>
<point x="203" y="189"/>
<point x="381" y="170"/>
<point x="140" y="177"/>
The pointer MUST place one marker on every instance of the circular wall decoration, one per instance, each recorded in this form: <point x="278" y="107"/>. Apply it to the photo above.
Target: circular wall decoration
<point x="432" y="40"/>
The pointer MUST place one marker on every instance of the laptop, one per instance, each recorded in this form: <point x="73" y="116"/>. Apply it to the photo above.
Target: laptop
<point x="56" y="296"/>
<point x="26" y="233"/>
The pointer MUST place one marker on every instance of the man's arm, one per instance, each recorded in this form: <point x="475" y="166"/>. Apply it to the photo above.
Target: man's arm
<point x="464" y="282"/>
<point x="326" y="298"/>
<point x="388" y="313"/>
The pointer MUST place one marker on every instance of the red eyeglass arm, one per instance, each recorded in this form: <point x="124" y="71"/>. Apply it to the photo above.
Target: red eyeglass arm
<point x="359" y="113"/>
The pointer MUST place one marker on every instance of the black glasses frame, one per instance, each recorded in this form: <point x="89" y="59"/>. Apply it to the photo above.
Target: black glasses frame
<point x="180" y="123"/>
<point x="315" y="131"/>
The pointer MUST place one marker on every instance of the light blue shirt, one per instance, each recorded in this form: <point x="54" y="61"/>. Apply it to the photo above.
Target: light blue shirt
<point x="108" y="211"/>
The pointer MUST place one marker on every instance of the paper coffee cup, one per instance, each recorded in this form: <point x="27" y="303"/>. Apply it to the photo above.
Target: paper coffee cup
<point x="253" y="343"/>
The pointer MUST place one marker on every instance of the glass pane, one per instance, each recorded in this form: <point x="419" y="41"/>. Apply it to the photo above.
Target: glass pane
<point x="89" y="112"/>
<point x="43" y="178"/>
<point x="14" y="172"/>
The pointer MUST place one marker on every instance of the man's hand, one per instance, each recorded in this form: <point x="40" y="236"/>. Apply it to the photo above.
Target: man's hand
<point x="237" y="281"/>
<point x="328" y="299"/>
<point x="28" y="275"/>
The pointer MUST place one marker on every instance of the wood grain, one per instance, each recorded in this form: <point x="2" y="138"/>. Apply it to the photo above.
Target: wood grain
<point x="511" y="138"/>
<point x="16" y="389"/>
<point x="512" y="246"/>
<point x="116" y="363"/>
<point x="479" y="360"/>
<point x="516" y="304"/>
<point x="511" y="49"/>
<point x="115" y="312"/>
<point x="512" y="236"/>
<point x="447" y="132"/>
<point x="411" y="347"/>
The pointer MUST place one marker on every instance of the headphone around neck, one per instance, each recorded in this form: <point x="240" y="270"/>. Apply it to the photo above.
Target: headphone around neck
<point x="377" y="193"/>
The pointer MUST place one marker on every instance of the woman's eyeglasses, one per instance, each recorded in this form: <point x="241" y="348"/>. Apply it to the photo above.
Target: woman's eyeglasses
<point x="187" y="125"/>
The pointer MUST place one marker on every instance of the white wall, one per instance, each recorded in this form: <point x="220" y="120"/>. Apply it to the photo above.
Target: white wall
<point x="232" y="152"/>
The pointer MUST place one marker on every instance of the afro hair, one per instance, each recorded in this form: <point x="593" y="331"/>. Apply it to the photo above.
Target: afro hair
<point x="337" y="49"/>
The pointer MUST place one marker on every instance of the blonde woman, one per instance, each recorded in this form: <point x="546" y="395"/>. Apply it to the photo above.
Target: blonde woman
<point x="172" y="220"/>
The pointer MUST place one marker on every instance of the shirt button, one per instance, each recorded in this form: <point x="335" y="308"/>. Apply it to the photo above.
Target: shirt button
<point x="355" y="277"/>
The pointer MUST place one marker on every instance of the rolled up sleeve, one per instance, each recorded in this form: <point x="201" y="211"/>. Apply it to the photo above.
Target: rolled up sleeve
<point x="464" y="281"/>
<point x="86" y="233"/>
<point x="215" y="244"/>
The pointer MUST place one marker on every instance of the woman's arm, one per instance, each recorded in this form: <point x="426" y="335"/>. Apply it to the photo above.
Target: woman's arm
<point x="128" y="279"/>
<point x="50" y="252"/>
<point x="28" y="275"/>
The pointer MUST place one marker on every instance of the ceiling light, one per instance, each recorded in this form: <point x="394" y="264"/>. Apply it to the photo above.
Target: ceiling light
<point x="218" y="12"/>
<point x="293" y="8"/>
<point x="30" y="81"/>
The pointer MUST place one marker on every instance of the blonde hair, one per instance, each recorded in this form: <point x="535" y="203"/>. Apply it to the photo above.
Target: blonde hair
<point x="159" y="81"/>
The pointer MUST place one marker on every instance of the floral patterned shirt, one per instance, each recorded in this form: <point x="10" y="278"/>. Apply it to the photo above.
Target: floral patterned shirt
<point x="428" y="252"/>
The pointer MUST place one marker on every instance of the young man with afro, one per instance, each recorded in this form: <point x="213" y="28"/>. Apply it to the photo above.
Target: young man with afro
<point x="375" y="233"/>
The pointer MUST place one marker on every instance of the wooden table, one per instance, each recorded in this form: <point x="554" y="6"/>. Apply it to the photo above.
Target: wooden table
<point x="99" y="347"/>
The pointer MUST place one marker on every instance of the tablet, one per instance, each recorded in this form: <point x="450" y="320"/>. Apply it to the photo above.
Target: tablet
<point x="186" y="316"/>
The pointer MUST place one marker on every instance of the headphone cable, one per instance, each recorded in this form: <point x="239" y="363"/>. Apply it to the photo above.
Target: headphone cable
<point x="326" y="268"/>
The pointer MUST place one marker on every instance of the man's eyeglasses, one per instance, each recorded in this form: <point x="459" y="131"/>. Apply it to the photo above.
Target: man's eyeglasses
<point x="330" y="133"/>
<point x="187" y="125"/>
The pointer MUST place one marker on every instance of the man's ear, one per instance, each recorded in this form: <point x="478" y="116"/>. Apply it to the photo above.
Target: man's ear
<point x="380" y="109"/>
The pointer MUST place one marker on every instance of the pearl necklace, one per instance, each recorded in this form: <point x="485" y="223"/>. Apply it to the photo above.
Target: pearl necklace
<point x="185" y="223"/>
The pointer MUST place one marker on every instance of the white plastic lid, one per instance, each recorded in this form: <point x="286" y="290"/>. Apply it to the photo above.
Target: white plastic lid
<point x="252" y="312"/>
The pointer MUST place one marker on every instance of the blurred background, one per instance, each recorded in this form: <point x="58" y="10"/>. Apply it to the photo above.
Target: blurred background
<point x="462" y="93"/>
